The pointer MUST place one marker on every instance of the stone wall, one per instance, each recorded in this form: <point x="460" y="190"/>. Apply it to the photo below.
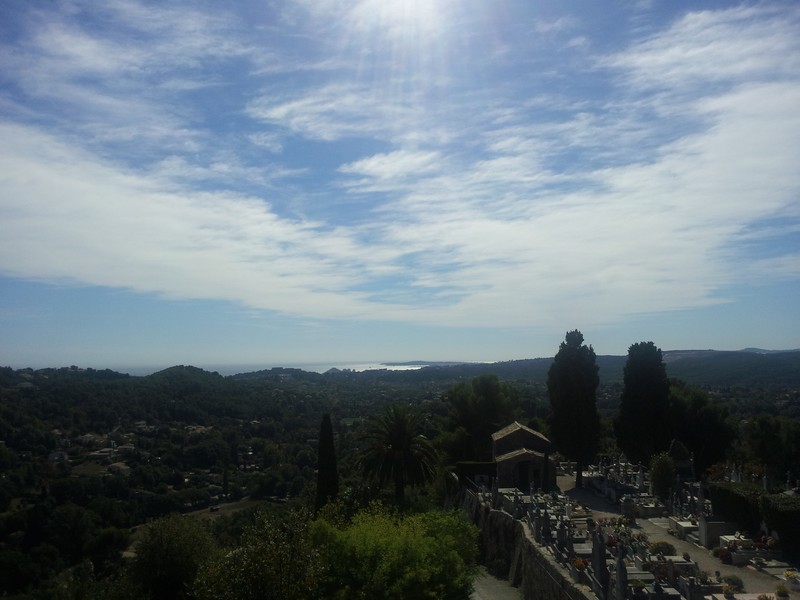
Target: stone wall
<point x="508" y="550"/>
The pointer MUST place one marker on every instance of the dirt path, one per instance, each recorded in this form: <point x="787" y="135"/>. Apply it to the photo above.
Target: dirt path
<point x="754" y="581"/>
<point x="491" y="588"/>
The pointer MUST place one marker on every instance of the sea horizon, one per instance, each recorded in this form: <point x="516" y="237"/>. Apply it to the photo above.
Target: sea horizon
<point x="312" y="367"/>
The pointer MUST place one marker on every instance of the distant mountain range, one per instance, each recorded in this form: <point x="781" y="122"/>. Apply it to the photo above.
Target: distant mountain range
<point x="751" y="367"/>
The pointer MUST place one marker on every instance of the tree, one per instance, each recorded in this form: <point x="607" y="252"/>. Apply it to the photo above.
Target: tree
<point x="394" y="451"/>
<point x="169" y="556"/>
<point x="572" y="385"/>
<point x="643" y="423"/>
<point x="327" y="474"/>
<point x="481" y="407"/>
<point x="701" y="424"/>
<point x="276" y="560"/>
<point x="662" y="475"/>
<point x="382" y="555"/>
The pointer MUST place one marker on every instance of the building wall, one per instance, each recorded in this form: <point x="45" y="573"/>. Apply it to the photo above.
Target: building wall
<point x="508" y="550"/>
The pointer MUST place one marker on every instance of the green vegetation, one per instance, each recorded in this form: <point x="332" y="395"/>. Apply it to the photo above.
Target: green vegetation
<point x="169" y="555"/>
<point x="663" y="548"/>
<point x="477" y="409"/>
<point x="662" y="475"/>
<point x="382" y="555"/>
<point x="275" y="560"/>
<point x="572" y="385"/>
<point x="95" y="463"/>
<point x="327" y="472"/>
<point x="642" y="426"/>
<point x="738" y="502"/>
<point x="395" y="451"/>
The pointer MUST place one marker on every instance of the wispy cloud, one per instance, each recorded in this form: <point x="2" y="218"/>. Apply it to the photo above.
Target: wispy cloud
<point x="496" y="202"/>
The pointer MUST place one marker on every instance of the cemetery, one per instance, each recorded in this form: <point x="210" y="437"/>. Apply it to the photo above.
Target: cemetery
<point x="613" y="539"/>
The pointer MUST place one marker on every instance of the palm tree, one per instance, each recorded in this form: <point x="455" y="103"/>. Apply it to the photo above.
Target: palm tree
<point x="393" y="450"/>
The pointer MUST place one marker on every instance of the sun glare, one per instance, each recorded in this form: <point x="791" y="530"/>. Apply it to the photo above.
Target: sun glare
<point x="400" y="18"/>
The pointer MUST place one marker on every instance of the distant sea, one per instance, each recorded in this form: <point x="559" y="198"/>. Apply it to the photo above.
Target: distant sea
<point x="310" y="367"/>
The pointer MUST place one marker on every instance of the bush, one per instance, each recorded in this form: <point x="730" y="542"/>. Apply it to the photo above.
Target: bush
<point x="169" y="554"/>
<point x="381" y="555"/>
<point x="662" y="475"/>
<point x="735" y="582"/>
<point x="737" y="502"/>
<point x="664" y="548"/>
<point x="782" y="513"/>
<point x="275" y="560"/>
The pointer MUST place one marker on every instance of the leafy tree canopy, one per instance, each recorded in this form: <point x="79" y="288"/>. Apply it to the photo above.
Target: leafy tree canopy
<point x="481" y="407"/>
<point x="381" y="555"/>
<point x="662" y="475"/>
<point x="169" y="555"/>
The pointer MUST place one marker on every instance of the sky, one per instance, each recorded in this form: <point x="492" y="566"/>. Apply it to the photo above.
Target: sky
<point x="277" y="182"/>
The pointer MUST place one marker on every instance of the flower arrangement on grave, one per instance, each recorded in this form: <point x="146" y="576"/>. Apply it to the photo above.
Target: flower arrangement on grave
<point x="781" y="590"/>
<point x="611" y="541"/>
<point x="686" y="557"/>
<point x="791" y="574"/>
<point x="725" y="556"/>
<point x="580" y="564"/>
<point x="727" y="590"/>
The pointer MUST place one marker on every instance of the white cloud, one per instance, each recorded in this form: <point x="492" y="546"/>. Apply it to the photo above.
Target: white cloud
<point x="270" y="141"/>
<point x="704" y="48"/>
<point x="68" y="216"/>
<point x="501" y="206"/>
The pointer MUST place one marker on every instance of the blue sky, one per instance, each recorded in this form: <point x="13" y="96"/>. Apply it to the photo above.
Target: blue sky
<point x="279" y="182"/>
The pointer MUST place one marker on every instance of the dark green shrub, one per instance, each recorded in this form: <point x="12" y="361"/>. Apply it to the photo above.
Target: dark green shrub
<point x="735" y="582"/>
<point x="664" y="548"/>
<point x="737" y="502"/>
<point x="782" y="513"/>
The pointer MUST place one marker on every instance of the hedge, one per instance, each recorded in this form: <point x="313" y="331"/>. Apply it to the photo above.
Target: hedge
<point x="782" y="513"/>
<point x="737" y="502"/>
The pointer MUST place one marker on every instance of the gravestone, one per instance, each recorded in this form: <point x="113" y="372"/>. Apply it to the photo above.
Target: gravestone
<point x="622" y="577"/>
<point x="599" y="559"/>
<point x="546" y="532"/>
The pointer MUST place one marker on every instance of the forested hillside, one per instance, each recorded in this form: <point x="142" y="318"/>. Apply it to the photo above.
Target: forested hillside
<point x="89" y="456"/>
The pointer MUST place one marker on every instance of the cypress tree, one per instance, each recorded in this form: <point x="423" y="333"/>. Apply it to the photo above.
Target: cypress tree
<point x="572" y="385"/>
<point x="327" y="473"/>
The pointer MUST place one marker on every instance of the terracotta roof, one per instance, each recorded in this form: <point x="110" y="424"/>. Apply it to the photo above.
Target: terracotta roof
<point x="515" y="426"/>
<point x="518" y="453"/>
